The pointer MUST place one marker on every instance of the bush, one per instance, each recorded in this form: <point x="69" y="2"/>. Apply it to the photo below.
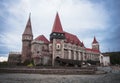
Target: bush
<point x="30" y="65"/>
<point x="2" y="64"/>
<point x="115" y="58"/>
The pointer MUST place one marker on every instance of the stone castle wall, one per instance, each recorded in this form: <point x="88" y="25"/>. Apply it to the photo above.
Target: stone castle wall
<point x="14" y="58"/>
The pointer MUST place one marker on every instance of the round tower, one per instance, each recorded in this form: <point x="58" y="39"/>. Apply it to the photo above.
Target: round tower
<point x="27" y="37"/>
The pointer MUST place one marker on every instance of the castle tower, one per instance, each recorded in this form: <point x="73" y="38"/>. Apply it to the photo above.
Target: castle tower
<point x="27" y="37"/>
<point x="57" y="38"/>
<point x="95" y="44"/>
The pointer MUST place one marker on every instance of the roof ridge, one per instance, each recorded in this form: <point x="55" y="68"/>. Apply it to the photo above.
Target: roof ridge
<point x="42" y="38"/>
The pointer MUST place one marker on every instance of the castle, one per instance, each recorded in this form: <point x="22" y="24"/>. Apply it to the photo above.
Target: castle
<point x="61" y="45"/>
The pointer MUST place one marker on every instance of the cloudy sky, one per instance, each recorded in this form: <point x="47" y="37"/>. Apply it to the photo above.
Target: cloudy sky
<point x="84" y="18"/>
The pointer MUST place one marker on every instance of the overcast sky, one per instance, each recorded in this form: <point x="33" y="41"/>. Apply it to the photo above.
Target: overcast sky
<point x="84" y="18"/>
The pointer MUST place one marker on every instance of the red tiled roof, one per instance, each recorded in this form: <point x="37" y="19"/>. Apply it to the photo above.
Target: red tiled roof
<point x="94" y="40"/>
<point x="92" y="50"/>
<point x="28" y="29"/>
<point x="42" y="38"/>
<point x="70" y="38"/>
<point x="57" y="27"/>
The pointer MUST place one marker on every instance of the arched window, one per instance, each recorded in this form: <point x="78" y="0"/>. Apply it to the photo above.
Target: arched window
<point x="58" y="46"/>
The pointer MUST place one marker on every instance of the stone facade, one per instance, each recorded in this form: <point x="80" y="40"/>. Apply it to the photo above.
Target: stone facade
<point x="67" y="46"/>
<point x="40" y="52"/>
<point x="62" y="45"/>
<point x="104" y="59"/>
<point x="14" y="58"/>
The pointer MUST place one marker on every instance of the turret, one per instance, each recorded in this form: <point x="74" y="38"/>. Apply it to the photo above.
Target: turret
<point x="57" y="31"/>
<point x="57" y="38"/>
<point x="27" y="37"/>
<point x="95" y="44"/>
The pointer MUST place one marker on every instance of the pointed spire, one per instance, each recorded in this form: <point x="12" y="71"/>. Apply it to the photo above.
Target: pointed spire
<point x="28" y="29"/>
<point x="94" y="40"/>
<point x="57" y="27"/>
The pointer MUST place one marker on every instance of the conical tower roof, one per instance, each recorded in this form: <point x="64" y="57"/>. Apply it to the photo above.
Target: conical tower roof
<point x="57" y="27"/>
<point x="94" y="40"/>
<point x="42" y="38"/>
<point x="28" y="28"/>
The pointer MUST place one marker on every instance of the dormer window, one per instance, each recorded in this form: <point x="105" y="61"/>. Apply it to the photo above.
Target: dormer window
<point x="54" y="33"/>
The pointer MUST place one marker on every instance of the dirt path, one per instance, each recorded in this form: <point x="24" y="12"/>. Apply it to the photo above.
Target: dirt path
<point x="38" y="78"/>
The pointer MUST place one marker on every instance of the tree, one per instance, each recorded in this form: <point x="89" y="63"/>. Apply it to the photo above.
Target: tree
<point x="115" y="58"/>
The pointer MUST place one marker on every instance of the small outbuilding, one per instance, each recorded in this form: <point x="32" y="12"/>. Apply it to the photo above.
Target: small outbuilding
<point x="104" y="59"/>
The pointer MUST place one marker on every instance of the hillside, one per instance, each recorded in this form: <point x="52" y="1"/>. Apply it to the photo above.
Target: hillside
<point x="114" y="57"/>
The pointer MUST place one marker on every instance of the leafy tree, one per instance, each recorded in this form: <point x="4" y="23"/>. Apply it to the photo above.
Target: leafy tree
<point x="115" y="58"/>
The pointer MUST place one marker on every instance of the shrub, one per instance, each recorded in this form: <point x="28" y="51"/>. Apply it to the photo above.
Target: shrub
<point x="115" y="58"/>
<point x="30" y="65"/>
<point x="2" y="64"/>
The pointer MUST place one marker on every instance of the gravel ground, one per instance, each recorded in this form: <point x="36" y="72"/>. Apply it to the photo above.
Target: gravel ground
<point x="38" y="78"/>
<point x="113" y="76"/>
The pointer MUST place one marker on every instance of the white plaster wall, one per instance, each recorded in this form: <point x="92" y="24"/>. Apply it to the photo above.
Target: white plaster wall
<point x="106" y="60"/>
